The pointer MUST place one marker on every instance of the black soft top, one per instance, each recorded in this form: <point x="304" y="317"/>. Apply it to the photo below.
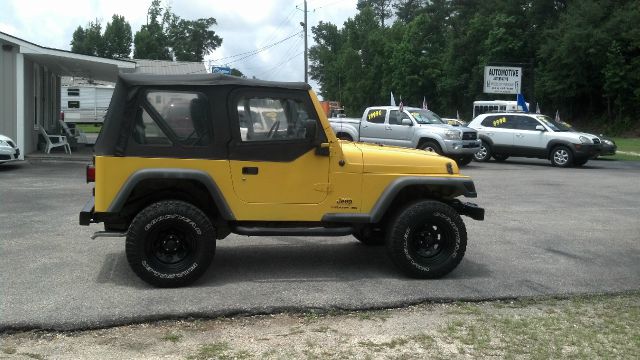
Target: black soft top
<point x="204" y="80"/>
<point x="122" y="108"/>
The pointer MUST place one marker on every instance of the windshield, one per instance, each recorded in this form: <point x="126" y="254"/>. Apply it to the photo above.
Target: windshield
<point x="426" y="117"/>
<point x="554" y="125"/>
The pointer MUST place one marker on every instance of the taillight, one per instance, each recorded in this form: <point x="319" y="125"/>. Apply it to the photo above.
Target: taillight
<point x="91" y="173"/>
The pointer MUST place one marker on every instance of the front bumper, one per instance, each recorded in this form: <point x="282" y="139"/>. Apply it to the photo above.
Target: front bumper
<point x="582" y="151"/>
<point x="461" y="147"/>
<point x="8" y="153"/>
<point x="608" y="149"/>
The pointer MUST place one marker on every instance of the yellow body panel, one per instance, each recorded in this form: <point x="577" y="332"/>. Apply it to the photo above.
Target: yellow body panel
<point x="349" y="180"/>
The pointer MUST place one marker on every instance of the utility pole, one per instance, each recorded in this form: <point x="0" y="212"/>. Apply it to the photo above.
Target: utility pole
<point x="306" y="59"/>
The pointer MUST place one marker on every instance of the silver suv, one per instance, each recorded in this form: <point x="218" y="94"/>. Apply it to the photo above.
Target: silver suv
<point x="532" y="135"/>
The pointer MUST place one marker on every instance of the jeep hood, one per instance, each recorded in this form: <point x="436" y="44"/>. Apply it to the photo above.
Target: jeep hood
<point x="383" y="159"/>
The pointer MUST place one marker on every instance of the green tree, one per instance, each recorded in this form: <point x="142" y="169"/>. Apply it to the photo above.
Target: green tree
<point x="117" y="38"/>
<point x="88" y="41"/>
<point x="150" y="42"/>
<point x="381" y="8"/>
<point x="191" y="40"/>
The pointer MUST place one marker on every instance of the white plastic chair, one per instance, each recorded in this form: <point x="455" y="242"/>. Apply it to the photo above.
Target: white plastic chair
<point x="54" y="141"/>
<point x="73" y="133"/>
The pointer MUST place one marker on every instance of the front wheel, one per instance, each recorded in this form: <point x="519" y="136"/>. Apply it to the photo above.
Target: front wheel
<point x="427" y="239"/>
<point x="483" y="154"/>
<point x="561" y="156"/>
<point x="431" y="146"/>
<point x="170" y="243"/>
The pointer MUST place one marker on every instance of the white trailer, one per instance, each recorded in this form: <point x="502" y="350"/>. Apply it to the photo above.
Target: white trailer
<point x="85" y="103"/>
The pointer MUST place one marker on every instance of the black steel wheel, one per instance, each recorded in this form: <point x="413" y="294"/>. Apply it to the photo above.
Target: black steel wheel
<point x="427" y="239"/>
<point x="484" y="153"/>
<point x="170" y="243"/>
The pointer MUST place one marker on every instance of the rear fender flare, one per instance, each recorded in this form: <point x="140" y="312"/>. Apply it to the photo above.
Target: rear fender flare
<point x="169" y="173"/>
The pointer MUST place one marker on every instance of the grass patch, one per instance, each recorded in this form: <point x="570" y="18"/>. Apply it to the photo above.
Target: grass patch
<point x="172" y="336"/>
<point x="9" y="350"/>
<point x="626" y="145"/>
<point x="583" y="328"/>
<point x="220" y="350"/>
<point x="89" y="128"/>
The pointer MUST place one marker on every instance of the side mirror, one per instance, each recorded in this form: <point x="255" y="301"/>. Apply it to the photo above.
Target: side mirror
<point x="540" y="128"/>
<point x="406" y="122"/>
<point x="310" y="128"/>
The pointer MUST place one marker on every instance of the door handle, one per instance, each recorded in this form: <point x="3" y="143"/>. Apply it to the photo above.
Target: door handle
<point x="519" y="135"/>
<point x="251" y="170"/>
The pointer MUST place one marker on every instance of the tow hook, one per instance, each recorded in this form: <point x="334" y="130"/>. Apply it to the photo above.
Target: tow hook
<point x="468" y="209"/>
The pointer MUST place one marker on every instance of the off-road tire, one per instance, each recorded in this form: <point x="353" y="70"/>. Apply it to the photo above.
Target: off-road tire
<point x="464" y="160"/>
<point x="370" y="237"/>
<point x="561" y="156"/>
<point x="500" y="157"/>
<point x="427" y="239"/>
<point x="431" y="146"/>
<point x="484" y="153"/>
<point x="170" y="243"/>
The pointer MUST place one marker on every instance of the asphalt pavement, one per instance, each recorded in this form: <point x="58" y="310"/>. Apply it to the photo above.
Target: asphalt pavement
<point x="548" y="231"/>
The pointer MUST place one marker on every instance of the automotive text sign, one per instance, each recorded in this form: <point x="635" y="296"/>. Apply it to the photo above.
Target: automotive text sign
<point x="502" y="80"/>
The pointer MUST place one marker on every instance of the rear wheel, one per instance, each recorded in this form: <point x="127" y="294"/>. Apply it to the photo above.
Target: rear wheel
<point x="431" y="146"/>
<point x="484" y="153"/>
<point x="427" y="239"/>
<point x="170" y="243"/>
<point x="561" y="156"/>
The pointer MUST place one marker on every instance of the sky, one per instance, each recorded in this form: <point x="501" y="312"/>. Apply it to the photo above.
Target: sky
<point x="244" y="25"/>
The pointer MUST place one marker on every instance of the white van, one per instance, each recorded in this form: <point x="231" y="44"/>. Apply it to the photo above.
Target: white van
<point x="481" y="107"/>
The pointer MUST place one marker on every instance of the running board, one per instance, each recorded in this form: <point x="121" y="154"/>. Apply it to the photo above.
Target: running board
<point x="98" y="234"/>
<point x="292" y="231"/>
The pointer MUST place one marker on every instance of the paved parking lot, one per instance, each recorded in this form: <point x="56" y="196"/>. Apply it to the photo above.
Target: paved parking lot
<point x="548" y="231"/>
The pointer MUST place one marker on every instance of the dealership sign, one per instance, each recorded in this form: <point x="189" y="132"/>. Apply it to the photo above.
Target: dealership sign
<point x="502" y="80"/>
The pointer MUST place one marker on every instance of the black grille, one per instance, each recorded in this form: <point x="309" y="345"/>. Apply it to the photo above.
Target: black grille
<point x="471" y="135"/>
<point x="5" y="157"/>
<point x="596" y="141"/>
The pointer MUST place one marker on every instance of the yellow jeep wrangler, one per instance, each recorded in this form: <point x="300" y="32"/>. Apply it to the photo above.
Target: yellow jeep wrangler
<point x="182" y="161"/>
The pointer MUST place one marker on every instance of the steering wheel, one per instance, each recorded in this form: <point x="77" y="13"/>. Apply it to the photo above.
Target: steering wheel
<point x="274" y="128"/>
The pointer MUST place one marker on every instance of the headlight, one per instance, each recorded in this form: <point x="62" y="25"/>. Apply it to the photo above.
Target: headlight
<point x="3" y="143"/>
<point x="584" y="140"/>
<point x="608" y="142"/>
<point x="453" y="135"/>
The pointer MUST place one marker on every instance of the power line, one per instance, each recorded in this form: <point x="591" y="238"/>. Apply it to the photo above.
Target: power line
<point x="281" y="63"/>
<point x="248" y="54"/>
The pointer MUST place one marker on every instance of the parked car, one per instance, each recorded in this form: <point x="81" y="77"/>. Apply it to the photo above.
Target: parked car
<point x="410" y="127"/>
<point x="8" y="149"/>
<point x="507" y="134"/>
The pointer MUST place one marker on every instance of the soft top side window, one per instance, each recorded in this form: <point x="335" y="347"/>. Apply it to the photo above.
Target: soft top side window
<point x="271" y="119"/>
<point x="173" y="117"/>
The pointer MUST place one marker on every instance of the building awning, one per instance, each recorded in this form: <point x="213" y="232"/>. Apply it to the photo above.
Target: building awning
<point x="67" y="63"/>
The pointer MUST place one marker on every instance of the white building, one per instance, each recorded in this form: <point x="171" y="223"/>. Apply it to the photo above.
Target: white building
<point x="30" y="86"/>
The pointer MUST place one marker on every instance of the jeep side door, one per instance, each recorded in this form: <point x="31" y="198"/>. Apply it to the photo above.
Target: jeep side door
<point x="271" y="157"/>
<point x="372" y="126"/>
